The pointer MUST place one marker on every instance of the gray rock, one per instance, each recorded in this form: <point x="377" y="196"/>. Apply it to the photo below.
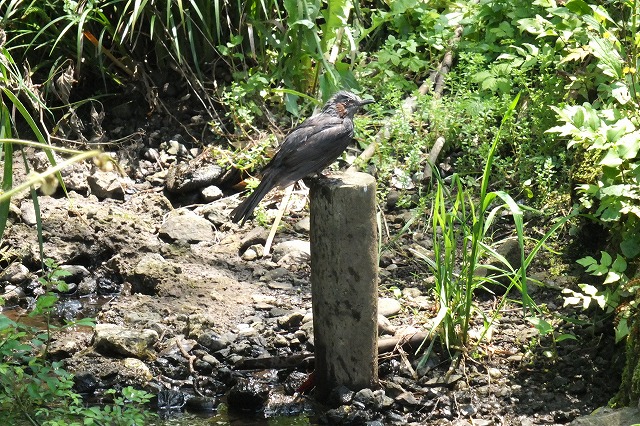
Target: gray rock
<point x="252" y="253"/>
<point x="76" y="273"/>
<point x="138" y="369"/>
<point x="69" y="343"/>
<point x="211" y="193"/>
<point x="291" y="320"/>
<point x="28" y="213"/>
<point x="192" y="176"/>
<point x="216" y="212"/>
<point x="303" y="225"/>
<point x="87" y="286"/>
<point x="341" y="395"/>
<point x="388" y="306"/>
<point x="277" y="274"/>
<point x="407" y="398"/>
<point x="213" y="342"/>
<point x="280" y="341"/>
<point x="257" y="235"/>
<point x="12" y="294"/>
<point x="15" y="273"/>
<point x="200" y="323"/>
<point x="259" y="298"/>
<point x="385" y="326"/>
<point x="248" y="394"/>
<point x="608" y="417"/>
<point x="365" y="397"/>
<point x="112" y="339"/>
<point x="279" y="285"/>
<point x="107" y="185"/>
<point x="292" y="252"/>
<point x="211" y="360"/>
<point x="381" y="400"/>
<point x="149" y="272"/>
<point x="184" y="225"/>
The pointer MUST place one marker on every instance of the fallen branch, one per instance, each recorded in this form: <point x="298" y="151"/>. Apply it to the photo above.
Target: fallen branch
<point x="408" y="342"/>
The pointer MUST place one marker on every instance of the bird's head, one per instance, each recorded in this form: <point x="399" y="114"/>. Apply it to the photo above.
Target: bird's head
<point x="345" y="104"/>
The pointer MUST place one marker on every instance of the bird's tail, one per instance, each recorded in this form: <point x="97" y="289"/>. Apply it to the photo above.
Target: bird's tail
<point x="244" y="209"/>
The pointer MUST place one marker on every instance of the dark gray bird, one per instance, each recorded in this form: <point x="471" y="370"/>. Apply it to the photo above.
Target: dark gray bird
<point x="309" y="148"/>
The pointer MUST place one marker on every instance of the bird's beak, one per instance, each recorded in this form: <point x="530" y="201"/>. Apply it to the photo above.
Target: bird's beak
<point x="366" y="102"/>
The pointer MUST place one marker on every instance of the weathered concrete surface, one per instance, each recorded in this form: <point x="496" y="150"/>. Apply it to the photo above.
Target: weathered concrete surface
<point x="344" y="273"/>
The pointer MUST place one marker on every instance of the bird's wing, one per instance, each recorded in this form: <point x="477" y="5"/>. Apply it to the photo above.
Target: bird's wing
<point x="311" y="147"/>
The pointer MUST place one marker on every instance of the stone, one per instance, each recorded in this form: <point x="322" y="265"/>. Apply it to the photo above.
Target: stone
<point x="138" y="368"/>
<point x="184" y="225"/>
<point x="76" y="273"/>
<point x="494" y="373"/>
<point x="12" y="294"/>
<point x="15" y="273"/>
<point x="112" y="339"/>
<point x="248" y="394"/>
<point x="407" y="398"/>
<point x="68" y="343"/>
<point x="257" y="235"/>
<point x="200" y="323"/>
<point x="150" y="272"/>
<point x="279" y="341"/>
<point x="381" y="400"/>
<point x="192" y="176"/>
<point x="88" y="285"/>
<point x="340" y="395"/>
<point x="365" y="397"/>
<point x="292" y="252"/>
<point x="291" y="320"/>
<point x="385" y="326"/>
<point x="263" y="299"/>
<point x="254" y="252"/>
<point x="107" y="185"/>
<point x="211" y="193"/>
<point x="609" y="417"/>
<point x="388" y="306"/>
<point x="213" y="342"/>
<point x="303" y="225"/>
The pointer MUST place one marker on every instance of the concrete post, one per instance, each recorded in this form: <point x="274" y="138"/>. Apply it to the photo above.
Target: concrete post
<point x="344" y="275"/>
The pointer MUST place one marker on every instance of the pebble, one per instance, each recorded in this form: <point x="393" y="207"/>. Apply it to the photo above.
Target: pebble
<point x="303" y="225"/>
<point x="388" y="306"/>
<point x="211" y="193"/>
<point x="385" y="326"/>
<point x="184" y="225"/>
<point x="407" y="398"/>
<point x="291" y="320"/>
<point x="279" y="341"/>
<point x="494" y="373"/>
<point x="364" y="396"/>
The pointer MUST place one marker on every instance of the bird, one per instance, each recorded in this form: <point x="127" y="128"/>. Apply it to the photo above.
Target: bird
<point x="308" y="149"/>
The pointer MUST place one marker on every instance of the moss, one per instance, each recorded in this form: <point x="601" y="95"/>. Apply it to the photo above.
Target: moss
<point x="586" y="166"/>
<point x="629" y="392"/>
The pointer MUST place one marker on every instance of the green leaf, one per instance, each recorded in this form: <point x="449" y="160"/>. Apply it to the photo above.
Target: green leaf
<point x="541" y="325"/>
<point x="579" y="7"/>
<point x="586" y="261"/>
<point x="605" y="259"/>
<point x="630" y="247"/>
<point x="566" y="336"/>
<point x="622" y="329"/>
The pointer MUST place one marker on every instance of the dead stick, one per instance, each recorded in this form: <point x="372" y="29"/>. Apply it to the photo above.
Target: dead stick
<point x="409" y="342"/>
<point x="283" y="206"/>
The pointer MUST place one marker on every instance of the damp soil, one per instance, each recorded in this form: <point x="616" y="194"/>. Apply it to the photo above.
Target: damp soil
<point x="513" y="376"/>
